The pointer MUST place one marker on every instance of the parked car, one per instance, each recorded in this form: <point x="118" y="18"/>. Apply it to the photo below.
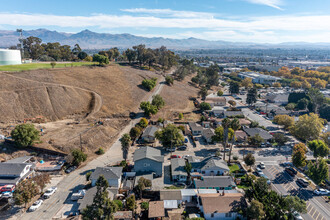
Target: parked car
<point x="180" y="184"/>
<point x="302" y="182"/>
<point x="8" y="188"/>
<point x="70" y="169"/>
<point x="50" y="192"/>
<point x="183" y="147"/>
<point x="79" y="195"/>
<point x="175" y="156"/>
<point x="262" y="165"/>
<point x="170" y="149"/>
<point x="266" y="177"/>
<point x="7" y="195"/>
<point x="186" y="140"/>
<point x="291" y="171"/>
<point x="36" y="205"/>
<point x="297" y="216"/>
<point x="259" y="172"/>
<point x="321" y="192"/>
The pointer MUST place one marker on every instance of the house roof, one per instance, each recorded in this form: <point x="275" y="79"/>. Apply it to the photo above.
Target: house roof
<point x="233" y="113"/>
<point x="209" y="163"/>
<point x="149" y="153"/>
<point x="88" y="198"/>
<point x="170" y="195"/>
<point x="243" y="121"/>
<point x="123" y="215"/>
<point x="278" y="97"/>
<point x="12" y="169"/>
<point x="195" y="127"/>
<point x="107" y="172"/>
<point x="177" y="167"/>
<point x="206" y="191"/>
<point x="156" y="209"/>
<point x="188" y="192"/>
<point x="170" y="204"/>
<point x="240" y="135"/>
<point x="218" y="203"/>
<point x="253" y="131"/>
<point x="215" y="181"/>
<point x="150" y="131"/>
<point x="23" y="159"/>
<point x="215" y="99"/>
<point x="208" y="133"/>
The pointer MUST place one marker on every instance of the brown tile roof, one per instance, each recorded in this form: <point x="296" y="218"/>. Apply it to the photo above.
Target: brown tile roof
<point x="123" y="214"/>
<point x="243" y="121"/>
<point x="219" y="203"/>
<point x="156" y="209"/>
<point x="170" y="195"/>
<point x="241" y="135"/>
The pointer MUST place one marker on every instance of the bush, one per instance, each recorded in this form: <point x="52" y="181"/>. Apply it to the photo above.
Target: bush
<point x="143" y="123"/>
<point x="25" y="134"/>
<point x="53" y="64"/>
<point x="88" y="175"/>
<point x="149" y="84"/>
<point x="78" y="157"/>
<point x="180" y="116"/>
<point x="135" y="132"/>
<point x="100" y="151"/>
<point x="145" y="205"/>
<point x="205" y="106"/>
<point x="169" y="80"/>
<point x="119" y="204"/>
<point x="220" y="93"/>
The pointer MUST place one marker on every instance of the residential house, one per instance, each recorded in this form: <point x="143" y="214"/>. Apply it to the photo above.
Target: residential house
<point x="149" y="134"/>
<point x="112" y="174"/>
<point x="171" y="198"/>
<point x="208" y="134"/>
<point x="189" y="195"/>
<point x="13" y="173"/>
<point x="241" y="136"/>
<point x="232" y="114"/>
<point x="209" y="167"/>
<point x="123" y="215"/>
<point x="215" y="182"/>
<point x="215" y="100"/>
<point x="278" y="98"/>
<point x="244" y="122"/>
<point x="148" y="160"/>
<point x="156" y="210"/>
<point x="177" y="170"/>
<point x="195" y="128"/>
<point x="278" y="111"/>
<point x="220" y="205"/>
<point x="206" y="124"/>
<point x="218" y="111"/>
<point x="253" y="131"/>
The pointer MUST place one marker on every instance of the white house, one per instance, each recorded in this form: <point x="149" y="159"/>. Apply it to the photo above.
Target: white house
<point x="112" y="174"/>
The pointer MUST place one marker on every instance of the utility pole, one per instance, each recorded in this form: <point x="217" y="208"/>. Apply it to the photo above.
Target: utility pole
<point x="20" y="39"/>
<point x="80" y="143"/>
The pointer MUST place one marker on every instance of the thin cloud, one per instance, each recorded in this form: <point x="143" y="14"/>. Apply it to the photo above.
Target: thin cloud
<point x="271" y="3"/>
<point x="170" y="13"/>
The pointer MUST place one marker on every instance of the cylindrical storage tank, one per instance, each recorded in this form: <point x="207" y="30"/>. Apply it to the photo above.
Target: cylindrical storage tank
<point x="10" y="57"/>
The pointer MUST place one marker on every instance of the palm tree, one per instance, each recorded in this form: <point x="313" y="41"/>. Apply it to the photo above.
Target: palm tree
<point x="225" y="124"/>
<point x="125" y="141"/>
<point x="235" y="125"/>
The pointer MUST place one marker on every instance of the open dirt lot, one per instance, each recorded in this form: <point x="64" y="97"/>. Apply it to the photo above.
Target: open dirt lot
<point x="72" y="100"/>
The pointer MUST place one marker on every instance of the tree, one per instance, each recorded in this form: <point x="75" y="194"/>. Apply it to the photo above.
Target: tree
<point x="232" y="103"/>
<point x="290" y="106"/>
<point x="78" y="157"/>
<point x="252" y="95"/>
<point x="140" y="51"/>
<point x="226" y="125"/>
<point x="131" y="55"/>
<point x="256" y="140"/>
<point x="143" y="123"/>
<point x="316" y="99"/>
<point x="82" y="55"/>
<point x="255" y="210"/>
<point x="296" y="84"/>
<point x="277" y="85"/>
<point x="130" y="203"/>
<point x="220" y="92"/>
<point x="203" y="92"/>
<point x="25" y="191"/>
<point x="306" y="85"/>
<point x="142" y="184"/>
<point x="125" y="141"/>
<point x="158" y="101"/>
<point x="100" y="151"/>
<point x="325" y="112"/>
<point x="318" y="171"/>
<point x="180" y="116"/>
<point x="285" y="120"/>
<point x="102" y="207"/>
<point x="170" y="136"/>
<point x="149" y="84"/>
<point x="280" y="139"/>
<point x="25" y="135"/>
<point x="296" y="204"/>
<point x="302" y="104"/>
<point x="319" y="148"/>
<point x="205" y="106"/>
<point x="145" y="205"/>
<point x="299" y="156"/>
<point x="247" y="83"/>
<point x="235" y="125"/>
<point x="88" y="175"/>
<point x="169" y="80"/>
<point x="119" y="204"/>
<point x="234" y="87"/>
<point x="249" y="159"/>
<point x="101" y="59"/>
<point x="188" y="168"/>
<point x="135" y="132"/>
<point x="41" y="180"/>
<point x="53" y="64"/>
<point x="148" y="108"/>
<point x="254" y="124"/>
<point x="308" y="127"/>
<point x="32" y="47"/>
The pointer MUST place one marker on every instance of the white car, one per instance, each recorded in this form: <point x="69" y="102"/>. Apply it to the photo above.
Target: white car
<point x="36" y="205"/>
<point x="321" y="192"/>
<point x="297" y="216"/>
<point x="259" y="172"/>
<point x="50" y="192"/>
<point x="262" y="165"/>
<point x="7" y="195"/>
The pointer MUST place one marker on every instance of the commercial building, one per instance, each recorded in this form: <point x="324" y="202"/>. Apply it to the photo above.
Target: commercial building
<point x="259" y="78"/>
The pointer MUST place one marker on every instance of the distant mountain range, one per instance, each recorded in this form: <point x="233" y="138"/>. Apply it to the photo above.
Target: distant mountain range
<point x="92" y="40"/>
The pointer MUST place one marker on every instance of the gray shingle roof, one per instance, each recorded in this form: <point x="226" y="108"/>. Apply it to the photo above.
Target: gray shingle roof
<point x="208" y="133"/>
<point x="12" y="169"/>
<point x="150" y="131"/>
<point x="107" y="172"/>
<point x="233" y="113"/>
<point x="177" y="167"/>
<point x="195" y="127"/>
<point x="170" y="195"/>
<point x="253" y="131"/>
<point x="209" y="163"/>
<point x="23" y="159"/>
<point x="148" y="152"/>
<point x="214" y="181"/>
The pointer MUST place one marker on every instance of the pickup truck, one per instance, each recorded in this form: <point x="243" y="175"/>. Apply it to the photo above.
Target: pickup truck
<point x="79" y="195"/>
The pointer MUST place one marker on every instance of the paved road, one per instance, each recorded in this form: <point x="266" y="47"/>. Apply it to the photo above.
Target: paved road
<point x="317" y="208"/>
<point x="59" y="205"/>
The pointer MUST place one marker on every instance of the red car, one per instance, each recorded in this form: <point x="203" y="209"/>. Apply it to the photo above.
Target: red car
<point x="8" y="188"/>
<point x="175" y="156"/>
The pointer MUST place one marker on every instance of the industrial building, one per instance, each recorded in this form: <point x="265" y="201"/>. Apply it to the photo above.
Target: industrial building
<point x="10" y="57"/>
<point x="259" y="78"/>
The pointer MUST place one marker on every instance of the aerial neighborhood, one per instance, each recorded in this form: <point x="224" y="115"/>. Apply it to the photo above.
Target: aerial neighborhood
<point x="116" y="126"/>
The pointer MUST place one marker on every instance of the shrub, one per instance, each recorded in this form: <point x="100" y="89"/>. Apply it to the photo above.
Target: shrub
<point x="25" y="134"/>
<point x="88" y="175"/>
<point x="205" y="106"/>
<point x="149" y="84"/>
<point x="100" y="151"/>
<point x="143" y="123"/>
<point x="78" y="157"/>
<point x="169" y="80"/>
<point x="119" y="204"/>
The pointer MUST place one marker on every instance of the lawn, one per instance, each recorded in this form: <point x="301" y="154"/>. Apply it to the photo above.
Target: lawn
<point x="233" y="168"/>
<point x="32" y="66"/>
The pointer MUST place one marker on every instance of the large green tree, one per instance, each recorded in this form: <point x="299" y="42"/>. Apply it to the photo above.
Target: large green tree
<point x="252" y="96"/>
<point x="78" y="157"/>
<point x="233" y="87"/>
<point x="158" y="101"/>
<point x="255" y="210"/>
<point x="25" y="135"/>
<point x="148" y="108"/>
<point x="25" y="191"/>
<point x="319" y="148"/>
<point x="249" y="159"/>
<point x="308" y="127"/>
<point x="170" y="136"/>
<point x="318" y="171"/>
<point x="125" y="141"/>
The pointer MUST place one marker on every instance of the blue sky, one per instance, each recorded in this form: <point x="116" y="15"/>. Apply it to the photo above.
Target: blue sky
<point x="267" y="21"/>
